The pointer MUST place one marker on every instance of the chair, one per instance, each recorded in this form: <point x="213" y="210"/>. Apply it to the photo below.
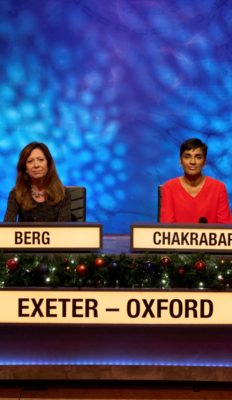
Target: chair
<point x="159" y="202"/>
<point x="78" y="203"/>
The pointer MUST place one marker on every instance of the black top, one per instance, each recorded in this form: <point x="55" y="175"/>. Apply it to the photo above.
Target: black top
<point x="42" y="212"/>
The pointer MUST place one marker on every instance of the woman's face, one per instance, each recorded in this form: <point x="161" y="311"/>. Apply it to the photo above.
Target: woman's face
<point x="192" y="161"/>
<point x="37" y="165"/>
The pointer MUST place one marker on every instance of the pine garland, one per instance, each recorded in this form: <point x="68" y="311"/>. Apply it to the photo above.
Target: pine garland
<point x="194" y="271"/>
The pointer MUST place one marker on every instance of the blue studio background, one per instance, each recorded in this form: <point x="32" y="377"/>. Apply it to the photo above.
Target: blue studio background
<point x="113" y="87"/>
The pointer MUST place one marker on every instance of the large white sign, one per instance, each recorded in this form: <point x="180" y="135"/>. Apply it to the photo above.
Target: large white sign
<point x="114" y="307"/>
<point x="47" y="237"/>
<point x="201" y="237"/>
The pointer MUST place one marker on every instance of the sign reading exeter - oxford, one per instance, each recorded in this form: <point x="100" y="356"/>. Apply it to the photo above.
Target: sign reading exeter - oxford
<point x="53" y="236"/>
<point x="114" y="307"/>
<point x="175" y="237"/>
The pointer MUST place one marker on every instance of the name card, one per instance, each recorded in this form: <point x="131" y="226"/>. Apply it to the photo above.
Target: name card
<point x="175" y="237"/>
<point x="48" y="237"/>
<point x="115" y="307"/>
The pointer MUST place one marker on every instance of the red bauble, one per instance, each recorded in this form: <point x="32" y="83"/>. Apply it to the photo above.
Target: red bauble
<point x="81" y="269"/>
<point x="99" y="262"/>
<point x="166" y="261"/>
<point x="200" y="265"/>
<point x="181" y="270"/>
<point x="12" y="264"/>
<point x="66" y="261"/>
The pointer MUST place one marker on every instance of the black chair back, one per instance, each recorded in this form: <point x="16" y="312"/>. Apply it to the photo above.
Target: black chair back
<point x="159" y="202"/>
<point x="78" y="203"/>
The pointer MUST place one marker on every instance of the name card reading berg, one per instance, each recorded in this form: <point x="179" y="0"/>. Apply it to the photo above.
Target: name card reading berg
<point x="52" y="236"/>
<point x="177" y="237"/>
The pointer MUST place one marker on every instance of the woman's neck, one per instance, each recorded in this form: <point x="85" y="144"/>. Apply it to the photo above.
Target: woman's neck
<point x="38" y="184"/>
<point x="195" y="180"/>
<point x="38" y="191"/>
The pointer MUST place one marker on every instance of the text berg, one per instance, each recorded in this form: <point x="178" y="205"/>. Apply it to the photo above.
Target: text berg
<point x="32" y="237"/>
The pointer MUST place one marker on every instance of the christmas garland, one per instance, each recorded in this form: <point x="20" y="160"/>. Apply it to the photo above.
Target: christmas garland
<point x="192" y="271"/>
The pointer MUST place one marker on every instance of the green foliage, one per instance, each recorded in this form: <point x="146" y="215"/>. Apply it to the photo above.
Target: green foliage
<point x="194" y="271"/>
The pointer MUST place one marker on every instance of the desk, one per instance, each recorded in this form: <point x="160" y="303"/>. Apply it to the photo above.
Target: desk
<point x="116" y="244"/>
<point x="116" y="352"/>
<point x="111" y="352"/>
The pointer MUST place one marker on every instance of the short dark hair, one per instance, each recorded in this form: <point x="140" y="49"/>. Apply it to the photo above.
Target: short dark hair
<point x="192" y="144"/>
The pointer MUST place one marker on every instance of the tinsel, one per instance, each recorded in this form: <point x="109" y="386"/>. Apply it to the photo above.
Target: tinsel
<point x="193" y="271"/>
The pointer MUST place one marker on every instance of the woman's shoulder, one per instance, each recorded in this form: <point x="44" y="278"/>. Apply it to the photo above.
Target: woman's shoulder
<point x="12" y="198"/>
<point x="12" y="192"/>
<point x="66" y="196"/>
<point x="212" y="182"/>
<point x="67" y="192"/>
<point x="171" y="183"/>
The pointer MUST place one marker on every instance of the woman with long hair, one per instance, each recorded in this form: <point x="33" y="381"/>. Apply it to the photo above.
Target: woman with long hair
<point x="38" y="195"/>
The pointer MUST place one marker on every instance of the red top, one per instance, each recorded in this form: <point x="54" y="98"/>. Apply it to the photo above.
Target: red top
<point x="178" y="206"/>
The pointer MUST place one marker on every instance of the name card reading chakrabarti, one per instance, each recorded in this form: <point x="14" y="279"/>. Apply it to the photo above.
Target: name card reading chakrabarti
<point x="114" y="307"/>
<point x="53" y="236"/>
<point x="175" y="237"/>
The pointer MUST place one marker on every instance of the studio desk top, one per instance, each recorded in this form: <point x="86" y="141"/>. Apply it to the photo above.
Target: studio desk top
<point x="106" y="340"/>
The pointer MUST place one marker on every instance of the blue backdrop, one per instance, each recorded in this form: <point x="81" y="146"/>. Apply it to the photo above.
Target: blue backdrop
<point x="113" y="87"/>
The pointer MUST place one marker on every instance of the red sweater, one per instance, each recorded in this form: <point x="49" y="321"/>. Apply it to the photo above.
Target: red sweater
<point x="178" y="206"/>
